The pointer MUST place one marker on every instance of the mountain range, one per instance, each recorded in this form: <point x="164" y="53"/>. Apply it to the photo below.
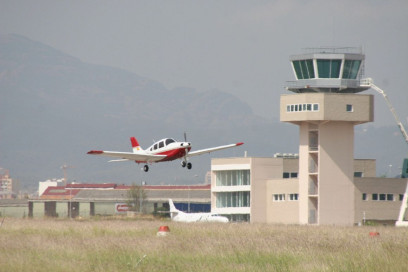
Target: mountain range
<point x="54" y="108"/>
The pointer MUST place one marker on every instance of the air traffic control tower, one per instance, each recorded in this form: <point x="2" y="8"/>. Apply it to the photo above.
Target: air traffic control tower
<point x="326" y="105"/>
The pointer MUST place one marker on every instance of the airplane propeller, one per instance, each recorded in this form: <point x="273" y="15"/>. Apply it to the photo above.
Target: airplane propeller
<point x="184" y="162"/>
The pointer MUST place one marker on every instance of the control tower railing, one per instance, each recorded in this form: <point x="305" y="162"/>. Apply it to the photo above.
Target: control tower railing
<point x="335" y="85"/>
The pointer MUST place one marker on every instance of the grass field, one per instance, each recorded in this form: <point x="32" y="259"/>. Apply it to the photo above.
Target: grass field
<point x="132" y="245"/>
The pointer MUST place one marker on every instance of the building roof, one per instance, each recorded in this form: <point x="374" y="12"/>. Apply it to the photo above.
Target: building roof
<point x="101" y="195"/>
<point x="59" y="192"/>
<point x="91" y="186"/>
<point x="113" y="192"/>
<point x="169" y="187"/>
<point x="151" y="195"/>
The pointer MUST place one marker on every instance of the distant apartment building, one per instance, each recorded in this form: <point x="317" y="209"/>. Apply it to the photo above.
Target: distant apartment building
<point x="6" y="186"/>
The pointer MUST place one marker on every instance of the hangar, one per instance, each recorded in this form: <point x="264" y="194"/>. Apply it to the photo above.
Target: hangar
<point x="107" y="199"/>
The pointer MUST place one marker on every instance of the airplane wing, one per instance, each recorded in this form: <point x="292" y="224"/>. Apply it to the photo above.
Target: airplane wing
<point x="128" y="156"/>
<point x="212" y="149"/>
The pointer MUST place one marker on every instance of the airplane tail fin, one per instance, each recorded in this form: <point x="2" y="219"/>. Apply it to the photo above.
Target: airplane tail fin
<point x="173" y="209"/>
<point x="135" y="145"/>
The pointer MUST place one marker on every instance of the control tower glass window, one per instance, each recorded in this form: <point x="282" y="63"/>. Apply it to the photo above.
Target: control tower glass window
<point x="328" y="68"/>
<point x="351" y="68"/>
<point x="304" y="69"/>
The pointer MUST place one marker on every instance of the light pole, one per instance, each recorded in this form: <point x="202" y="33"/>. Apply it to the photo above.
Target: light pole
<point x="142" y="183"/>
<point x="188" y="209"/>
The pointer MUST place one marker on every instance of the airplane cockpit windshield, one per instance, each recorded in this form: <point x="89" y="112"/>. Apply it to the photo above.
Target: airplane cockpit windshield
<point x="169" y="141"/>
<point x="161" y="144"/>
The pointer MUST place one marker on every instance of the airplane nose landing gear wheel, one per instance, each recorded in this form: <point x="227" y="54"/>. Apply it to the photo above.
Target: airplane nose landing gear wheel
<point x="189" y="165"/>
<point x="146" y="168"/>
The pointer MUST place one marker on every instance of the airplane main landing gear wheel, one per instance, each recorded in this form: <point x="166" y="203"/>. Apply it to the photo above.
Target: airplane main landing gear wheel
<point x="189" y="165"/>
<point x="146" y="168"/>
<point x="183" y="163"/>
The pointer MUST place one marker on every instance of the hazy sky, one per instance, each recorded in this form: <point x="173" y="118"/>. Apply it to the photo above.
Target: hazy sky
<point x="241" y="47"/>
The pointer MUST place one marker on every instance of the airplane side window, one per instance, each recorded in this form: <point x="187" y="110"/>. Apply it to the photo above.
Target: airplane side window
<point x="155" y="146"/>
<point x="161" y="144"/>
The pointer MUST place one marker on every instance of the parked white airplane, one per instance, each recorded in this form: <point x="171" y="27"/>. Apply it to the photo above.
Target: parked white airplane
<point x="163" y="150"/>
<point x="179" y="216"/>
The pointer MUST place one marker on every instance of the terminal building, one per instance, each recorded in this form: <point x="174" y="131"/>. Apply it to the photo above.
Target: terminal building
<point x="325" y="185"/>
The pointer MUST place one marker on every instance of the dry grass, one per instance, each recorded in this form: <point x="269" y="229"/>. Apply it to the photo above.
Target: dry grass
<point x="119" y="245"/>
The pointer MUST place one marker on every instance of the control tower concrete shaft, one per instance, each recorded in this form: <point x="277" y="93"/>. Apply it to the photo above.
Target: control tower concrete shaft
<point x="326" y="107"/>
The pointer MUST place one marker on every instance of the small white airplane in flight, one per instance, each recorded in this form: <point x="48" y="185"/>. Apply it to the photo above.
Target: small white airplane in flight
<point x="179" y="216"/>
<point x="163" y="150"/>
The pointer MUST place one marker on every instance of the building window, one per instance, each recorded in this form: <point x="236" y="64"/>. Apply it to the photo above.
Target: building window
<point x="287" y="175"/>
<point x="293" y="197"/>
<point x="349" y="108"/>
<point x="351" y="68"/>
<point x="328" y="68"/>
<point x="233" y="199"/>
<point x="358" y="174"/>
<point x="302" y="107"/>
<point x="278" y="197"/>
<point x="375" y="197"/>
<point x="304" y="69"/>
<point x="401" y="197"/>
<point x="383" y="197"/>
<point x="233" y="178"/>
<point x="364" y="197"/>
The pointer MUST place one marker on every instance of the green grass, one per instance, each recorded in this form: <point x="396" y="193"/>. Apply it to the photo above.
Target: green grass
<point x="120" y="245"/>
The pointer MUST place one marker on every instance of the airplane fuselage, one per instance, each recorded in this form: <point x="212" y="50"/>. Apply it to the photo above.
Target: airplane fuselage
<point x="170" y="148"/>
<point x="179" y="216"/>
<point x="199" y="217"/>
